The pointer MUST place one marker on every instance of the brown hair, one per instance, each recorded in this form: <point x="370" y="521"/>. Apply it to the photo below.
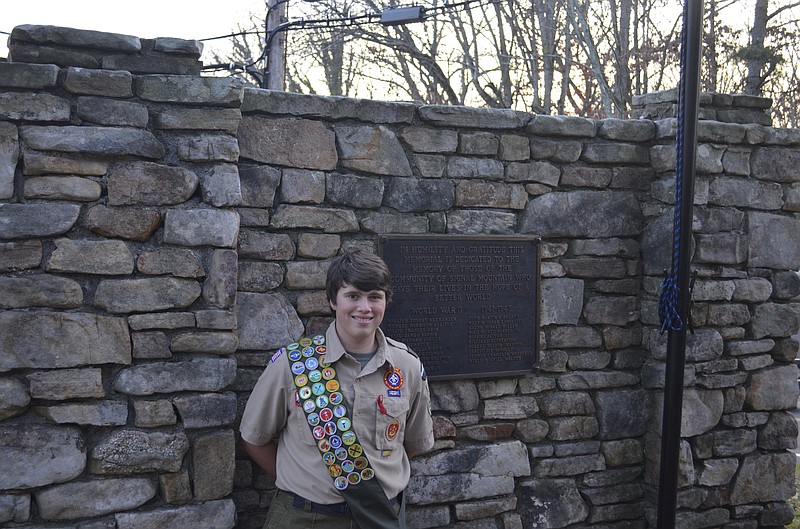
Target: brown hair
<point x="360" y="268"/>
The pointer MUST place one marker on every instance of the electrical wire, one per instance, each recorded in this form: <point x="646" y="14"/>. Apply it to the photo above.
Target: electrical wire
<point x="328" y="23"/>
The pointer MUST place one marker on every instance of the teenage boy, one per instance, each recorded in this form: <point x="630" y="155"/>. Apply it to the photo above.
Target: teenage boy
<point x="336" y="417"/>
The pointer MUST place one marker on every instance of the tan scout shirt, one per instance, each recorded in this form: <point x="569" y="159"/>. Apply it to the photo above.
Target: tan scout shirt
<point x="272" y="413"/>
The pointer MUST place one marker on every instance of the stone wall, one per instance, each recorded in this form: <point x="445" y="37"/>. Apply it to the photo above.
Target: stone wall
<point x="117" y="283"/>
<point x="726" y="108"/>
<point x="162" y="233"/>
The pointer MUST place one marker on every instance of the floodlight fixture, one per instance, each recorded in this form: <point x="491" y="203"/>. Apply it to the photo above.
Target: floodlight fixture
<point x="402" y="15"/>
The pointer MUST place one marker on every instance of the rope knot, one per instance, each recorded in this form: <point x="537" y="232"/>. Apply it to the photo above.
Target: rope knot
<point x="668" y="306"/>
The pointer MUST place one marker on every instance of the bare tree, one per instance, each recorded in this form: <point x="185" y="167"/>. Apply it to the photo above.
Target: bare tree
<point x="584" y="57"/>
<point x="760" y="59"/>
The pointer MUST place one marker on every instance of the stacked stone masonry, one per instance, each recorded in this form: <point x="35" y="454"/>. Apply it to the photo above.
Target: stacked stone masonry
<point x="162" y="233"/>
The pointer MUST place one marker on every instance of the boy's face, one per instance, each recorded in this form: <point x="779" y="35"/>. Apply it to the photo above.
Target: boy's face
<point x="358" y="315"/>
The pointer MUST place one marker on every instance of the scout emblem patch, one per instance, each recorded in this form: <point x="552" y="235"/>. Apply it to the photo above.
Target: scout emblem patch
<point x="318" y="393"/>
<point x="393" y="380"/>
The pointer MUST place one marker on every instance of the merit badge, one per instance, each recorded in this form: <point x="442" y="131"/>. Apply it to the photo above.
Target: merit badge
<point x="367" y="474"/>
<point x="308" y="352"/>
<point x="328" y="373"/>
<point x="331" y="385"/>
<point x="298" y="368"/>
<point x="343" y="424"/>
<point x="322" y="401"/>
<point x="335" y="470"/>
<point x="325" y="414"/>
<point x="318" y="388"/>
<point x="319" y="432"/>
<point x="308" y="406"/>
<point x="360" y="463"/>
<point x="300" y="381"/>
<point x="339" y="411"/>
<point x="294" y="356"/>
<point x="318" y="339"/>
<point x="335" y="441"/>
<point x="276" y="355"/>
<point x="348" y="466"/>
<point x="330" y="428"/>
<point x="293" y="346"/>
<point x="336" y="398"/>
<point x="305" y="392"/>
<point x="328" y="458"/>
<point x="392" y="429"/>
<point x="312" y="364"/>
<point x="315" y="376"/>
<point x="341" y="454"/>
<point x="348" y="438"/>
<point x="355" y="450"/>
<point x="313" y="419"/>
<point x="340" y="483"/>
<point x="324" y="445"/>
<point x="305" y="342"/>
<point x="354" y="478"/>
<point x="393" y="378"/>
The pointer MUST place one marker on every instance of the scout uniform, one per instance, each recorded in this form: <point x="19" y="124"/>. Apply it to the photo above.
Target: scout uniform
<point x="387" y="409"/>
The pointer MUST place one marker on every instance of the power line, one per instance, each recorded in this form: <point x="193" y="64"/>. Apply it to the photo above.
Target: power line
<point x="424" y="13"/>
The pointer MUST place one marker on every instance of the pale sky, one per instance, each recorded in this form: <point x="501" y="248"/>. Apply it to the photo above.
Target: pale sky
<point x="141" y="18"/>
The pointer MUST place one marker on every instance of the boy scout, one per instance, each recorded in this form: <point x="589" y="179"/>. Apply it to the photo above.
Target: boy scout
<point x="336" y="417"/>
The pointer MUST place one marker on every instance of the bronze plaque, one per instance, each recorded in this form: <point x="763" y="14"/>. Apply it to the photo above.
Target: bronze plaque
<point x="467" y="305"/>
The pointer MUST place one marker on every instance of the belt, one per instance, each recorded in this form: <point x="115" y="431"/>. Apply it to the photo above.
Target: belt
<point x="333" y="509"/>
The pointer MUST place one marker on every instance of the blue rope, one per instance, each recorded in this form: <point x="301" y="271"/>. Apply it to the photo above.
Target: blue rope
<point x="668" y="300"/>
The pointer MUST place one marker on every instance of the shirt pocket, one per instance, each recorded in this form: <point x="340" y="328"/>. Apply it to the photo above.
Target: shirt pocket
<point x="390" y="427"/>
<point x="298" y="423"/>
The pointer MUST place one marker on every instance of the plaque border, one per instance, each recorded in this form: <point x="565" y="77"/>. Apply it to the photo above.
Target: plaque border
<point x="536" y="240"/>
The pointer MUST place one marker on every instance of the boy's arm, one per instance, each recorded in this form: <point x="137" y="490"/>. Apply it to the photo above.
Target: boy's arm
<point x="265" y="456"/>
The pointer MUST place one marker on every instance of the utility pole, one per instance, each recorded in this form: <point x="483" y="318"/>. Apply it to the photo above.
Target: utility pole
<point x="276" y="52"/>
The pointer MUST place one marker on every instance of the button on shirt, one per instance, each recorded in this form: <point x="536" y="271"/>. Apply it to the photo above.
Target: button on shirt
<point x="388" y="422"/>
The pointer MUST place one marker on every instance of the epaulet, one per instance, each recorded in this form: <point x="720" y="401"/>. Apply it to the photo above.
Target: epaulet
<point x="401" y="345"/>
<point x="404" y="347"/>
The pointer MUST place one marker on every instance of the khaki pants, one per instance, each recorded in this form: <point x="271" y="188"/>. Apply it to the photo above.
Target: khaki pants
<point x="283" y="515"/>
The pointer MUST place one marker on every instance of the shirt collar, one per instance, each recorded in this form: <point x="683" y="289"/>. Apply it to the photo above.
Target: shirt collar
<point x="336" y="350"/>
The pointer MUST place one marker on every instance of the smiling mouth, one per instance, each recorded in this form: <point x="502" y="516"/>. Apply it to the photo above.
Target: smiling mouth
<point x="363" y="319"/>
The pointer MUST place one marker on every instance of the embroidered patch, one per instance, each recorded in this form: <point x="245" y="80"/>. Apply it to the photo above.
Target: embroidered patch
<point x="392" y="430"/>
<point x="393" y="378"/>
<point x="276" y="355"/>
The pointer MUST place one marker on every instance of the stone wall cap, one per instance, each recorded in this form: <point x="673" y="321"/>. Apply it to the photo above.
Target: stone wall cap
<point x="80" y="38"/>
<point x="749" y="101"/>
<point x="486" y="118"/>
<point x="661" y="96"/>
<point x="332" y="107"/>
<point x="178" y="46"/>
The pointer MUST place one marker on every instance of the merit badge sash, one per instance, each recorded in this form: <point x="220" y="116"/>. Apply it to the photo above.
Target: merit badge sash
<point x="318" y="393"/>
